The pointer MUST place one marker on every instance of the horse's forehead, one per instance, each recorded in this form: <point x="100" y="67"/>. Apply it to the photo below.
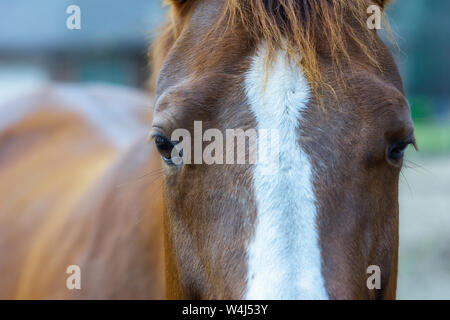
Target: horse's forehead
<point x="189" y="80"/>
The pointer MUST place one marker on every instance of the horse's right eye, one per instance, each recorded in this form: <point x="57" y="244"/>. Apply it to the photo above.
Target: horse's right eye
<point x="165" y="147"/>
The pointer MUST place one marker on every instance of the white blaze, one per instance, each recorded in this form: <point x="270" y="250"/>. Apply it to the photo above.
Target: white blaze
<point x="284" y="260"/>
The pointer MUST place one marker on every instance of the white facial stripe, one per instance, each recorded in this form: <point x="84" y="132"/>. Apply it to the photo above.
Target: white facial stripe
<point x="284" y="260"/>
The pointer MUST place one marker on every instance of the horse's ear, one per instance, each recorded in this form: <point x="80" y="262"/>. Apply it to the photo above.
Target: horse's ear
<point x="382" y="3"/>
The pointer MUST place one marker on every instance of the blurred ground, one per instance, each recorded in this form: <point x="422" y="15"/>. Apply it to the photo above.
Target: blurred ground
<point x="424" y="262"/>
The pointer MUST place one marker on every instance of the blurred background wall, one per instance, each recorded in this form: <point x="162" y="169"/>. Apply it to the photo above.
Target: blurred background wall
<point x="36" y="48"/>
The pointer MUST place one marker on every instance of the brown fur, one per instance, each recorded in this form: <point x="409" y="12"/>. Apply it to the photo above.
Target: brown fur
<point x="299" y="27"/>
<point x="70" y="196"/>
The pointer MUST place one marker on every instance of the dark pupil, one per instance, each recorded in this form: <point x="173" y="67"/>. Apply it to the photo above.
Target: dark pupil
<point x="163" y="144"/>
<point x="397" y="151"/>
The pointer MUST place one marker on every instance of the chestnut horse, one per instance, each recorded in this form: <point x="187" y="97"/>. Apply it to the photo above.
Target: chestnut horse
<point x="310" y="70"/>
<point x="77" y="188"/>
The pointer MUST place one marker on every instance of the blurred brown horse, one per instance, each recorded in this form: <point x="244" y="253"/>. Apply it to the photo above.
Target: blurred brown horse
<point x="75" y="191"/>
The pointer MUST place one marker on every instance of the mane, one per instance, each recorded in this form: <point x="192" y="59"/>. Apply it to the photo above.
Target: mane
<point x="305" y="29"/>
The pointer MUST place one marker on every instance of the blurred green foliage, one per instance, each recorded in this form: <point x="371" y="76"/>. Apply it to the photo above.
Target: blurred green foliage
<point x="421" y="109"/>
<point x="421" y="29"/>
<point x="432" y="138"/>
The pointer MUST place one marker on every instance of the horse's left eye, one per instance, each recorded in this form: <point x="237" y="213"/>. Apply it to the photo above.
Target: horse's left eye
<point x="165" y="147"/>
<point x="395" y="152"/>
